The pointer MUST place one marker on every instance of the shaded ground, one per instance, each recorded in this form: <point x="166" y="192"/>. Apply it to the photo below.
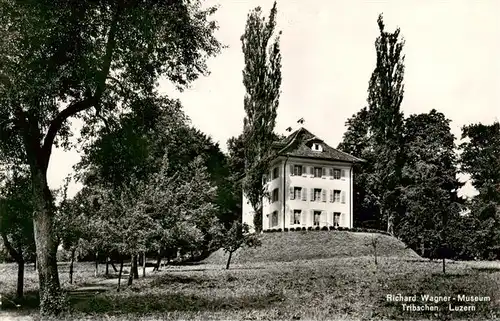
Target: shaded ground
<point x="322" y="289"/>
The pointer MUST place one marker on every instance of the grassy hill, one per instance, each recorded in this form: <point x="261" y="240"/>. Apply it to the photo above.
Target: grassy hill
<point x="307" y="245"/>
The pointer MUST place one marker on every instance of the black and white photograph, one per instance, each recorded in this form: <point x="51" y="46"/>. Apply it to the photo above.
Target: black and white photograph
<point x="249" y="160"/>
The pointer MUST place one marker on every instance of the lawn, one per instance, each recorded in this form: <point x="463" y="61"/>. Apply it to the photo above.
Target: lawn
<point x="336" y="288"/>
<point x="308" y="245"/>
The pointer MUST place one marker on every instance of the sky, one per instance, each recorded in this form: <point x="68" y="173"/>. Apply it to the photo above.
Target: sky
<point x="328" y="54"/>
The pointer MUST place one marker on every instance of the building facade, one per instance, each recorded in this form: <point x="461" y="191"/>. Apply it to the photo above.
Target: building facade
<point x="309" y="184"/>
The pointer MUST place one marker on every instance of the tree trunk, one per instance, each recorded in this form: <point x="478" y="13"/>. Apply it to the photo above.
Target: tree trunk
<point x="46" y="249"/>
<point x="444" y="265"/>
<point x="17" y="255"/>
<point x="136" y="271"/>
<point x="113" y="266"/>
<point x="229" y="260"/>
<point x="390" y="223"/>
<point x="143" y="264"/>
<point x="158" y="262"/>
<point x="71" y="266"/>
<point x="120" y="275"/>
<point x="34" y="264"/>
<point x="20" y="279"/>
<point x="131" y="274"/>
<point x="96" y="264"/>
<point x="422" y="247"/>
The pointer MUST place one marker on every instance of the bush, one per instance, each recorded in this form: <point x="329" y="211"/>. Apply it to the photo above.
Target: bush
<point x="303" y="228"/>
<point x="309" y="228"/>
<point x="279" y="229"/>
<point x="292" y="229"/>
<point x="285" y="229"/>
<point x="324" y="228"/>
<point x="331" y="228"/>
<point x="316" y="228"/>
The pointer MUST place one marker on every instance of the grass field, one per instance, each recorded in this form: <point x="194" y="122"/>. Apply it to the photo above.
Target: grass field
<point x="308" y="245"/>
<point x="335" y="288"/>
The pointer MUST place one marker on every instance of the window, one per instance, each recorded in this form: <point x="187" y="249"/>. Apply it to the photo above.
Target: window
<point x="317" y="216"/>
<point x="275" y="196"/>
<point x="274" y="219"/>
<point x="318" y="171"/>
<point x="276" y="172"/>
<point x="336" y="219"/>
<point x="296" y="216"/>
<point x="297" y="192"/>
<point x="317" y="194"/>
<point x="336" y="196"/>
<point x="297" y="170"/>
<point x="317" y="147"/>
<point x="336" y="173"/>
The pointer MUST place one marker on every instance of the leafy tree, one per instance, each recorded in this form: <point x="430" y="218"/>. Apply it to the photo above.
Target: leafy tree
<point x="480" y="158"/>
<point x="357" y="142"/>
<point x="385" y="94"/>
<point x="232" y="239"/>
<point x="262" y="80"/>
<point x="89" y="60"/>
<point x="430" y="181"/>
<point x="16" y="224"/>
<point x="236" y="165"/>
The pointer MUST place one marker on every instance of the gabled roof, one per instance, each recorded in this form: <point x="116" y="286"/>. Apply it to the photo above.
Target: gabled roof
<point x="299" y="143"/>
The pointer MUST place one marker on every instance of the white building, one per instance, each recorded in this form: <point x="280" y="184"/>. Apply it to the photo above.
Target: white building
<point x="309" y="184"/>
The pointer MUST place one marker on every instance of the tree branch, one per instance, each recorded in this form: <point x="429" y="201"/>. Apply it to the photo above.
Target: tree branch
<point x="88" y="102"/>
<point x="32" y="145"/>
<point x="58" y="121"/>
<point x="15" y="255"/>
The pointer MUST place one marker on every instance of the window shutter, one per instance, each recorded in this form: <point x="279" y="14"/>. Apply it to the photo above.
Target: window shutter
<point x="342" y="173"/>
<point x="342" y="197"/>
<point x="331" y="172"/>
<point x="312" y="194"/>
<point x="323" y="195"/>
<point x="331" y="196"/>
<point x="311" y="170"/>
<point x="304" y="194"/>
<point x="323" y="171"/>
<point x="292" y="214"/>
<point x="311" y="222"/>
<point x="291" y="193"/>
<point x="291" y="170"/>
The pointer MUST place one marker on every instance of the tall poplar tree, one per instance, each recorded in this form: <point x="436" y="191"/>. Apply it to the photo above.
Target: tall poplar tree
<point x="385" y="94"/>
<point x="262" y="80"/>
